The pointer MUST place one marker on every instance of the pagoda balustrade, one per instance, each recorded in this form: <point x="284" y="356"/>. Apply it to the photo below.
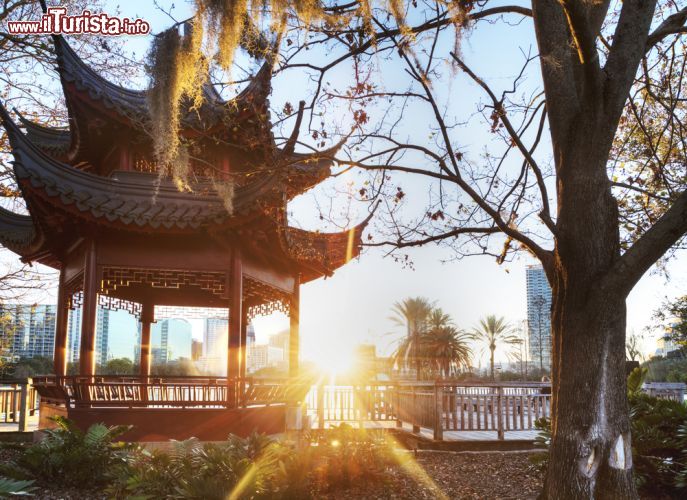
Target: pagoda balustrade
<point x="170" y="392"/>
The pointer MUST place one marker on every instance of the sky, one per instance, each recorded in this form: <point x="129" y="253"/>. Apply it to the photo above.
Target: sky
<point x="354" y="305"/>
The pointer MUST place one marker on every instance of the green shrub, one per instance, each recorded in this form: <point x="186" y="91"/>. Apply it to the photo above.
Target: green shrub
<point x="68" y="456"/>
<point x="659" y="447"/>
<point x="543" y="441"/>
<point x="345" y="456"/>
<point x="254" y="467"/>
<point x="13" y="487"/>
<point x="240" y="468"/>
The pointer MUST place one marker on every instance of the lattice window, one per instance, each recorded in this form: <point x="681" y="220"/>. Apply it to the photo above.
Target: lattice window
<point x="166" y="312"/>
<point x="115" y="304"/>
<point x="212" y="282"/>
<point x="267" y="308"/>
<point x="75" y="300"/>
<point x="264" y="298"/>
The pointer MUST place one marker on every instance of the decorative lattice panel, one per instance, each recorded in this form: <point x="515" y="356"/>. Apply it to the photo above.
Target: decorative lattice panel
<point x="115" y="304"/>
<point x="267" y="308"/>
<point x="75" y="300"/>
<point x="115" y="277"/>
<point x="166" y="312"/>
<point x="264" y="299"/>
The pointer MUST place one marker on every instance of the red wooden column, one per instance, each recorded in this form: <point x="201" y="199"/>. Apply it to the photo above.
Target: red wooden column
<point x="147" y="318"/>
<point x="62" y="316"/>
<point x="244" y="351"/>
<point x="89" y="313"/>
<point x="294" y="323"/>
<point x="235" y="321"/>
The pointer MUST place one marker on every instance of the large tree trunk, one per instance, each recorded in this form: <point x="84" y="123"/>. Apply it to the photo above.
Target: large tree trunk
<point x="591" y="455"/>
<point x="590" y="452"/>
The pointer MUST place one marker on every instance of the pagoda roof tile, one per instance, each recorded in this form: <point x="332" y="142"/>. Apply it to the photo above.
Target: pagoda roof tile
<point x="131" y="198"/>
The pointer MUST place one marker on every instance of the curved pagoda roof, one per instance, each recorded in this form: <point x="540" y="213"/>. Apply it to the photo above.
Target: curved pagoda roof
<point x="83" y="85"/>
<point x="70" y="191"/>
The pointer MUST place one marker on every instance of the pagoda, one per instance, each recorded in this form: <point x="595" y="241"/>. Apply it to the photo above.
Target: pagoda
<point x="124" y="237"/>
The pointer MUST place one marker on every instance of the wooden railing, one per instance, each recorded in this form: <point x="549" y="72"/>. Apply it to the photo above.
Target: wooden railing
<point x="666" y="390"/>
<point x="18" y="401"/>
<point x="351" y="403"/>
<point x="445" y="406"/>
<point x="439" y="406"/>
<point x="160" y="392"/>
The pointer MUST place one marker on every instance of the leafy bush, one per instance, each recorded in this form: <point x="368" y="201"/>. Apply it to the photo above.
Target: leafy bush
<point x="191" y="469"/>
<point x="659" y="444"/>
<point x="12" y="487"/>
<point x="543" y="441"/>
<point x="344" y="456"/>
<point x="253" y="467"/>
<point x="68" y="456"/>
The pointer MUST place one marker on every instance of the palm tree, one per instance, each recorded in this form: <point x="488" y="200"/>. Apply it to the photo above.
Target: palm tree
<point x="494" y="332"/>
<point x="411" y="313"/>
<point x="447" y="347"/>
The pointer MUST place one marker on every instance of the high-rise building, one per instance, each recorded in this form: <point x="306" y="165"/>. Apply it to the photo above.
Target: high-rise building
<point x="31" y="328"/>
<point x="102" y="334"/>
<point x="262" y="356"/>
<point x="170" y="339"/>
<point x="280" y="340"/>
<point x="215" y="337"/>
<point x="250" y="334"/>
<point x="116" y="335"/>
<point x="539" y="317"/>
<point x="74" y="335"/>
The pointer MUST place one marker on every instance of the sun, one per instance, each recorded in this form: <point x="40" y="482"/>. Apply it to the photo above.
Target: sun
<point x="336" y="362"/>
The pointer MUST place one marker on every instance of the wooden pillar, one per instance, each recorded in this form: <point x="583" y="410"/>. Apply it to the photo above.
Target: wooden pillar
<point x="147" y="318"/>
<point x="243" y="362"/>
<point x="235" y="321"/>
<point x="61" y="318"/>
<point x="89" y="313"/>
<point x="294" y="322"/>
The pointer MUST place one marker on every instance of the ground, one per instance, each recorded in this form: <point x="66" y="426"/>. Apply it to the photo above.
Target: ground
<point x="458" y="475"/>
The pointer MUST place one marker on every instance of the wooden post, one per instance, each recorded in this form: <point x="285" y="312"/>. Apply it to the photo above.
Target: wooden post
<point x="499" y="406"/>
<point x="243" y="354"/>
<point x="397" y="405"/>
<point x="24" y="406"/>
<point x="61" y="318"/>
<point x="234" y="337"/>
<point x="147" y="318"/>
<point x="320" y="405"/>
<point x="89" y="313"/>
<point x="358" y="400"/>
<point x="294" y="324"/>
<point x="414" y="413"/>
<point x="438" y="412"/>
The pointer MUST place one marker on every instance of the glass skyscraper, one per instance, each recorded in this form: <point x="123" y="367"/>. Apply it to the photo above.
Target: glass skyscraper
<point x="31" y="329"/>
<point x="539" y="317"/>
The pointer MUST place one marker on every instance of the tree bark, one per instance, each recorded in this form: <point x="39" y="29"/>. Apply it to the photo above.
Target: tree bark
<point x="590" y="454"/>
